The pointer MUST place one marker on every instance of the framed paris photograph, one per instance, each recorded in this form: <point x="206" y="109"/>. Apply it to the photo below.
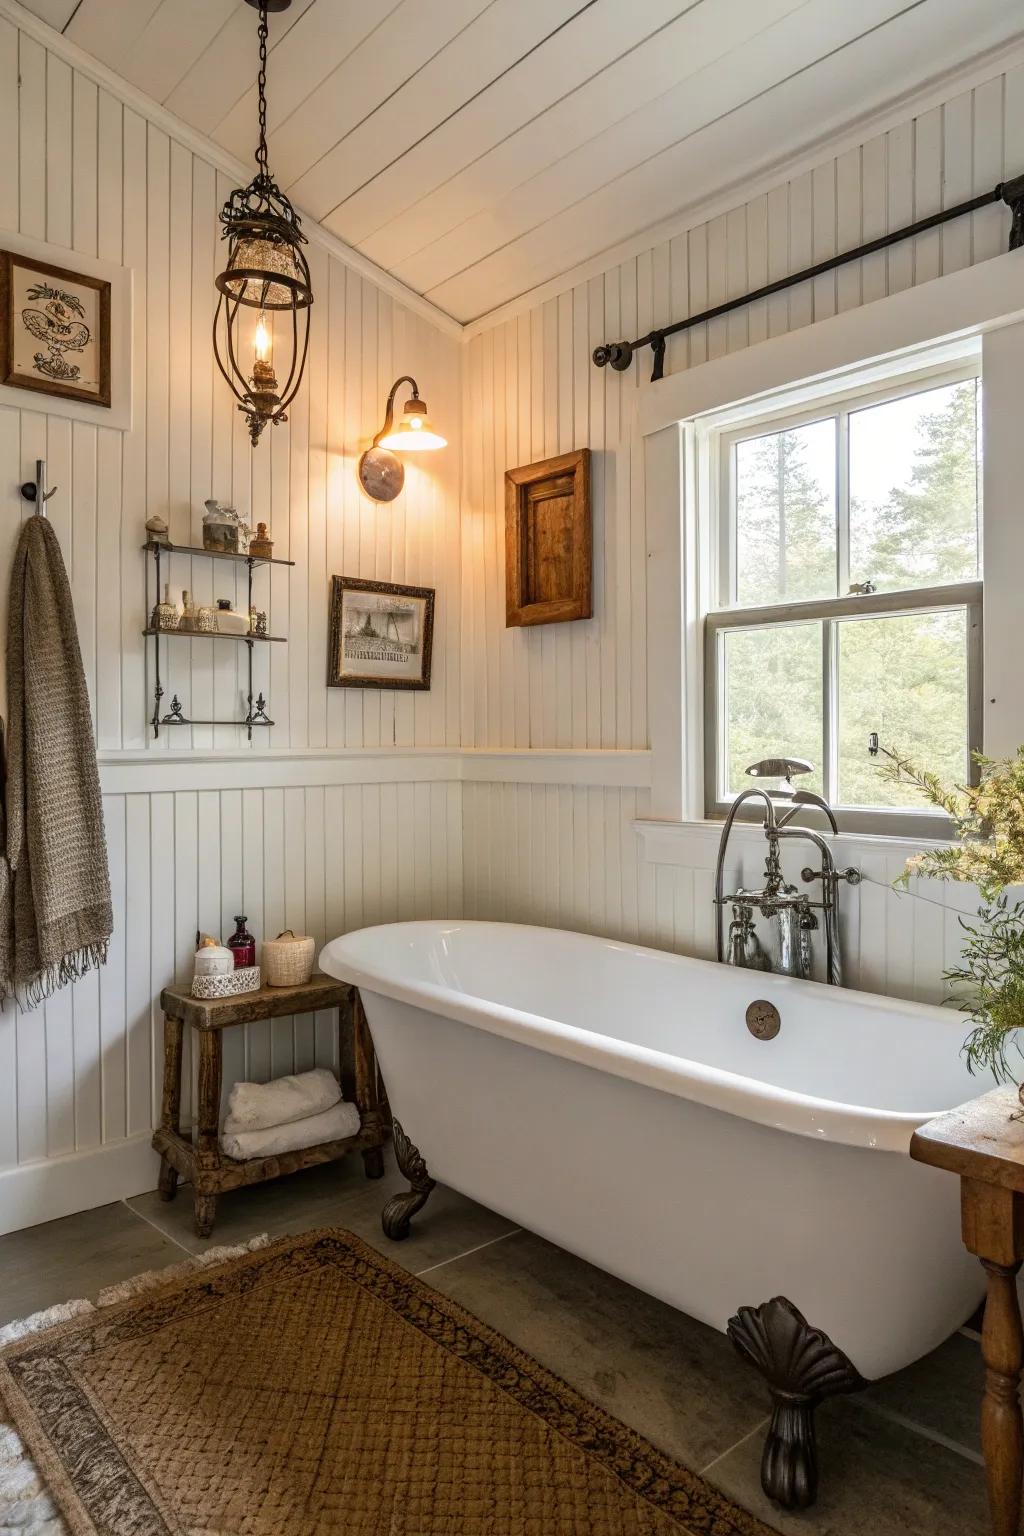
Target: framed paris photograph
<point x="380" y="634"/>
<point x="54" y="330"/>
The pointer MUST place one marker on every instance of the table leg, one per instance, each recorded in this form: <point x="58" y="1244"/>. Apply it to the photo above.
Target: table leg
<point x="170" y="1109"/>
<point x="367" y="1091"/>
<point x="1002" y="1428"/>
<point x="208" y="1130"/>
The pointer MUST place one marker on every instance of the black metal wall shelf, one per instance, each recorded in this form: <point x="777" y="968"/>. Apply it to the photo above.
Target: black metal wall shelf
<point x="256" y="714"/>
<point x="157" y="547"/>
<point x="213" y="634"/>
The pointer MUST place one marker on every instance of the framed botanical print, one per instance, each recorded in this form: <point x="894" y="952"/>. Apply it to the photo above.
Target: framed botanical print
<point x="380" y="634"/>
<point x="54" y="330"/>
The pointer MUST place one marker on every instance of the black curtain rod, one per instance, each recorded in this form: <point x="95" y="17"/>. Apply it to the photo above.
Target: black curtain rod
<point x="619" y="354"/>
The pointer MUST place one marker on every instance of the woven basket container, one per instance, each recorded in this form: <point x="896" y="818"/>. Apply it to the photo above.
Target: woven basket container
<point x="234" y="984"/>
<point x="288" y="959"/>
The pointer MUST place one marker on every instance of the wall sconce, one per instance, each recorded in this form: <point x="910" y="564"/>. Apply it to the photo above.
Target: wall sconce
<point x="381" y="474"/>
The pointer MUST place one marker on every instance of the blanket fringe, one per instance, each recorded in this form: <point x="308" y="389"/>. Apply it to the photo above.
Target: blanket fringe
<point x="70" y="968"/>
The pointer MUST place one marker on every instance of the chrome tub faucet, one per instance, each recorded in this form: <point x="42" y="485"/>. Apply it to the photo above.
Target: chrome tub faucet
<point x="792" y="913"/>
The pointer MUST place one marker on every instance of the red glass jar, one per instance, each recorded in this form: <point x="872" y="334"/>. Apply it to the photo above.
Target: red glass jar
<point x="242" y="944"/>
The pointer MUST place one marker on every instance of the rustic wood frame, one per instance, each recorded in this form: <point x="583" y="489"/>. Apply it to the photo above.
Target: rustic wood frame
<point x="341" y="584"/>
<point x="11" y="259"/>
<point x="519" y="485"/>
<point x="209" y="1170"/>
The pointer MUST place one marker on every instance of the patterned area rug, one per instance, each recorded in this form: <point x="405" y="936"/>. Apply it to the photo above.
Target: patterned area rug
<point x="314" y="1386"/>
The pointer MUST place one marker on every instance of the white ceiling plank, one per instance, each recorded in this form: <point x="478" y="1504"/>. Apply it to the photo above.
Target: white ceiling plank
<point x="733" y="75"/>
<point x="381" y="65"/>
<point x="675" y="55"/>
<point x="177" y="34"/>
<point x="327" y="34"/>
<point x="227" y="67"/>
<point x="108" y="28"/>
<point x="506" y="32"/>
<point x="56" y="13"/>
<point x="575" y="54"/>
<point x="912" y="47"/>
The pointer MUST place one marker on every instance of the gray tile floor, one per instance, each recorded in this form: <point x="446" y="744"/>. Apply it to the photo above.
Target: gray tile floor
<point x="902" y="1458"/>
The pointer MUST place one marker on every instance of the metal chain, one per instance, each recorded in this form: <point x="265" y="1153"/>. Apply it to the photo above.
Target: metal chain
<point x="261" y="152"/>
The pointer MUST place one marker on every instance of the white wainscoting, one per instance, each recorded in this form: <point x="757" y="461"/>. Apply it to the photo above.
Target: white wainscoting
<point x="80" y="1075"/>
<point x="589" y="859"/>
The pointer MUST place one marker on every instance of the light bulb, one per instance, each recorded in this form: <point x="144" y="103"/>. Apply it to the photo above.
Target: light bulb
<point x="262" y="342"/>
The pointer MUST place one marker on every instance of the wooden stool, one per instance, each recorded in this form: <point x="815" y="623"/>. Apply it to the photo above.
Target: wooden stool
<point x="200" y="1159"/>
<point x="983" y="1143"/>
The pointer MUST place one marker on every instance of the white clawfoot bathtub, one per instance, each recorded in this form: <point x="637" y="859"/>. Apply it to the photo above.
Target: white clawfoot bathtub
<point x="612" y="1099"/>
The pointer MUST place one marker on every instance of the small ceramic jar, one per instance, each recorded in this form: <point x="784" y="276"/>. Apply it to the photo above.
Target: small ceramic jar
<point x="213" y="959"/>
<point x="165" y="614"/>
<point x="229" y="620"/>
<point x="206" y="620"/>
<point x="261" y="546"/>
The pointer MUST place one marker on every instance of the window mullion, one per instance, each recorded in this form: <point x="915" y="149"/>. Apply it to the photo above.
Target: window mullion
<point x="829" y="712"/>
<point x="842" y="503"/>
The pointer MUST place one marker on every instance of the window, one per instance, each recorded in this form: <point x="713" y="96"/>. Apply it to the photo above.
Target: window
<point x="848" y="590"/>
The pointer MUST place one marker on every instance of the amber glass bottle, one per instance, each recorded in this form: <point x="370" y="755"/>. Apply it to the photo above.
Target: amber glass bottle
<point x="242" y="944"/>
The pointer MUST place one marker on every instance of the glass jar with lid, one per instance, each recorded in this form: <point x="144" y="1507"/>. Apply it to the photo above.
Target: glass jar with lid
<point x="220" y="528"/>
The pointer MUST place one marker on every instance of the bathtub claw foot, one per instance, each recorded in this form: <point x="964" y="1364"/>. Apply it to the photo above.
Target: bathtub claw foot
<point x="801" y="1366"/>
<point x="400" y="1209"/>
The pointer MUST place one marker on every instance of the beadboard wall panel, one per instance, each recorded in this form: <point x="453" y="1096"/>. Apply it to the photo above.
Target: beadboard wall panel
<point x="79" y="1076"/>
<point x="569" y="855"/>
<point x="85" y="172"/>
<point x="530" y="390"/>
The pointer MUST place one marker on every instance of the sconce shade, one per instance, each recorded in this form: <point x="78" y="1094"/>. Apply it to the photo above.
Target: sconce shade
<point x="381" y="474"/>
<point x="414" y="432"/>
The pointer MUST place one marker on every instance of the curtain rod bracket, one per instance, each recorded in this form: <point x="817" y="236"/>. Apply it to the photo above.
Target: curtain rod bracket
<point x="616" y="354"/>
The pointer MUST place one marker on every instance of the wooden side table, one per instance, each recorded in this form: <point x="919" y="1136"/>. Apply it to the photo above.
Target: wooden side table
<point x="200" y="1159"/>
<point x="984" y="1145"/>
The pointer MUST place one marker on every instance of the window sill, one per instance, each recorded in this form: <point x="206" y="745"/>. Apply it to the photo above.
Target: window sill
<point x="694" y="844"/>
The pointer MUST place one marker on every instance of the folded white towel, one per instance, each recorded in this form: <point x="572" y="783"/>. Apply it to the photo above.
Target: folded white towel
<point x="331" y="1125"/>
<point x="261" y="1106"/>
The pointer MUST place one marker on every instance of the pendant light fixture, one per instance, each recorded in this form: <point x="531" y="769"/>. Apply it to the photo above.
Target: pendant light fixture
<point x="267" y="273"/>
<point x="381" y="474"/>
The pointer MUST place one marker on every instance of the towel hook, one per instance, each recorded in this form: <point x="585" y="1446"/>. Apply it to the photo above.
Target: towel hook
<point x="36" y="491"/>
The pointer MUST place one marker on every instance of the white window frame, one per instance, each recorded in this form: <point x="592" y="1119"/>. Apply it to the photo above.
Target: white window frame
<point x="719" y="516"/>
<point x="980" y="306"/>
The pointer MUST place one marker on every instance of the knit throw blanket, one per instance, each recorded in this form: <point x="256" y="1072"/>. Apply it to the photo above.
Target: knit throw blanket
<point x="55" y="911"/>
